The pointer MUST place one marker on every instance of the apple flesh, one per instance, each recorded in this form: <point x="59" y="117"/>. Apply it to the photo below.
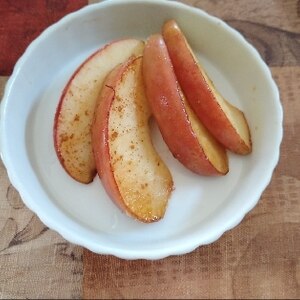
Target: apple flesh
<point x="75" y="111"/>
<point x="188" y="140"/>
<point x="131" y="171"/>
<point x="226" y="122"/>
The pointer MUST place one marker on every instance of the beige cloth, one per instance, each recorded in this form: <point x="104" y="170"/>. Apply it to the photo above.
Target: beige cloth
<point x="257" y="259"/>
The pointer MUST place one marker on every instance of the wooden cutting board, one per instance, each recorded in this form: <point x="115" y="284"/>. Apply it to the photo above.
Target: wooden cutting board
<point x="260" y="258"/>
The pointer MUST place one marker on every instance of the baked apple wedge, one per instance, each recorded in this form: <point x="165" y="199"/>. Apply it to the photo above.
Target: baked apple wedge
<point x="226" y="122"/>
<point x="131" y="171"/>
<point x="75" y="111"/>
<point x="188" y="140"/>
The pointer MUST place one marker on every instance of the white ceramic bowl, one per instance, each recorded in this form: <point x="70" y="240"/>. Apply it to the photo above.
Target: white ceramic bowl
<point x="201" y="209"/>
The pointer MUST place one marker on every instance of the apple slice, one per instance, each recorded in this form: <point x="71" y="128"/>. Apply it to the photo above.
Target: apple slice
<point x="75" y="111"/>
<point x="226" y="122"/>
<point x="188" y="140"/>
<point x="131" y="171"/>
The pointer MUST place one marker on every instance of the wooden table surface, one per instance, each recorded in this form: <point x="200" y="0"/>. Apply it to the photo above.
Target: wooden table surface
<point x="260" y="258"/>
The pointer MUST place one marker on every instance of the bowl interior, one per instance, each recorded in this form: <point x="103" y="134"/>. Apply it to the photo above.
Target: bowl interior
<point x="200" y="208"/>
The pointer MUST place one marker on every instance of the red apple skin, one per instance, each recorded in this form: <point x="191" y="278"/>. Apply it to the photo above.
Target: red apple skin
<point x="207" y="103"/>
<point x="101" y="140"/>
<point x="168" y="107"/>
<point x="75" y="110"/>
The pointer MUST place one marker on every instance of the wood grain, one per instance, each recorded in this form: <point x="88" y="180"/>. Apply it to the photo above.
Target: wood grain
<point x="3" y="80"/>
<point x="272" y="13"/>
<point x="271" y="26"/>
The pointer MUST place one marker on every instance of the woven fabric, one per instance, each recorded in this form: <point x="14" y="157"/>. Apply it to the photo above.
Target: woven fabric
<point x="257" y="259"/>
